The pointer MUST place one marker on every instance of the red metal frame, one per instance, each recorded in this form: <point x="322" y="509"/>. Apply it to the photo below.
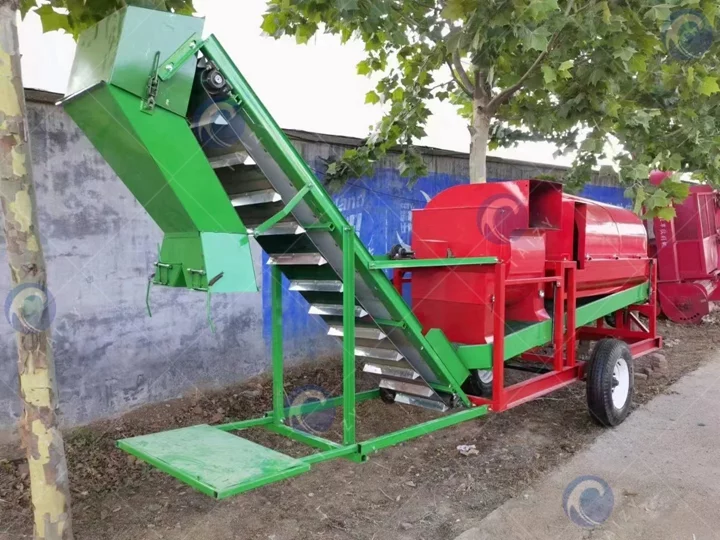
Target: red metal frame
<point x="565" y="366"/>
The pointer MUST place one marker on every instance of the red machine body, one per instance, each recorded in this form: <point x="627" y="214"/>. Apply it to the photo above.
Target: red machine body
<point x="686" y="248"/>
<point x="533" y="226"/>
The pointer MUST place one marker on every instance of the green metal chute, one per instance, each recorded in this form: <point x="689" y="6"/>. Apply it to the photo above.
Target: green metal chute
<point x="138" y="123"/>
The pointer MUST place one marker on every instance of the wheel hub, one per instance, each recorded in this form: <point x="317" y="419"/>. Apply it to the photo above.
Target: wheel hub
<point x="620" y="383"/>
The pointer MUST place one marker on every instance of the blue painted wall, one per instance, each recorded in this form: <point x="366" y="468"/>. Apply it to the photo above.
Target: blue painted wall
<point x="379" y="208"/>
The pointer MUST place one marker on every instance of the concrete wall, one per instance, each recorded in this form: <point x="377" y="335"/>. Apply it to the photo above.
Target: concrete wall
<point x="100" y="246"/>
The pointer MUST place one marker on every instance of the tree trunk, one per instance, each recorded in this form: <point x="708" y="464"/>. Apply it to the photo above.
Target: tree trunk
<point x="479" y="134"/>
<point x="50" y="488"/>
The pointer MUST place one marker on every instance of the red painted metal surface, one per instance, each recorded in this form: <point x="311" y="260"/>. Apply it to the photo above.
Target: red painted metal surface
<point x="686" y="248"/>
<point x="565" y="369"/>
<point x="529" y="225"/>
<point x="550" y="247"/>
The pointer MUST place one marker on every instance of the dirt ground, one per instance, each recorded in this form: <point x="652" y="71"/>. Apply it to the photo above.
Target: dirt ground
<point x="422" y="489"/>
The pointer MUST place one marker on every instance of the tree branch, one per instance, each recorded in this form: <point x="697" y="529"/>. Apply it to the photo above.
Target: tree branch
<point x="461" y="78"/>
<point x="442" y="84"/>
<point x="506" y="94"/>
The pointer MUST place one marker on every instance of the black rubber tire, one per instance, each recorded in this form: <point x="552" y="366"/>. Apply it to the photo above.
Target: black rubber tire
<point x="475" y="387"/>
<point x="599" y="382"/>
<point x="387" y="396"/>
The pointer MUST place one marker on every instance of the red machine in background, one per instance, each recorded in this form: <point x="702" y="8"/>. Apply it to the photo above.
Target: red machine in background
<point x="686" y="249"/>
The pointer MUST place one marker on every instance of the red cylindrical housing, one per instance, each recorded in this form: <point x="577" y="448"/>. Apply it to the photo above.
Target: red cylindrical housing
<point x="527" y="224"/>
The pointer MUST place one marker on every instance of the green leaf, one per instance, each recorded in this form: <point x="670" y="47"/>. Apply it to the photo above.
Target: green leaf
<point x="564" y="69"/>
<point x="548" y="74"/>
<point x="660" y="12"/>
<point x="398" y="94"/>
<point x="347" y="5"/>
<point x="666" y="213"/>
<point x="637" y="63"/>
<point x="52" y="20"/>
<point x="269" y="24"/>
<point x="25" y="6"/>
<point x="456" y="9"/>
<point x="607" y="15"/>
<point x="625" y="53"/>
<point x="658" y="199"/>
<point x="709" y="86"/>
<point x="640" y="197"/>
<point x="677" y="191"/>
<point x="305" y="32"/>
<point x="363" y="68"/>
<point x="372" y="98"/>
<point x="539" y="8"/>
<point x="537" y="39"/>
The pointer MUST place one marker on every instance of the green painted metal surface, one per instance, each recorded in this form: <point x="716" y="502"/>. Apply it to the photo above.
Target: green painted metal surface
<point x="278" y="388"/>
<point x="525" y="337"/>
<point x="171" y="177"/>
<point x="447" y="354"/>
<point x="121" y="50"/>
<point x="348" y="335"/>
<point x="228" y="260"/>
<point x="384" y="264"/>
<point x="304" y="437"/>
<point x="213" y="461"/>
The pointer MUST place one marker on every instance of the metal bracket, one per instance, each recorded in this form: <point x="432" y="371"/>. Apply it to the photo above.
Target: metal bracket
<point x="175" y="61"/>
<point x="159" y="274"/>
<point x="267" y="225"/>
<point x="329" y="227"/>
<point x="162" y="71"/>
<point x="148" y="104"/>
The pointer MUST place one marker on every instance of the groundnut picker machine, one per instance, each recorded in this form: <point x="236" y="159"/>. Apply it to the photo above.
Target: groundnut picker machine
<point x="504" y="276"/>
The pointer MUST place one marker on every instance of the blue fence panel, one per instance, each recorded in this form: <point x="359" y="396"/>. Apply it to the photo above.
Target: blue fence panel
<point x="606" y="194"/>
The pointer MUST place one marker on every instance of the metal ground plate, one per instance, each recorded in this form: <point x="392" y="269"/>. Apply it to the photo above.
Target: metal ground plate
<point x="213" y="461"/>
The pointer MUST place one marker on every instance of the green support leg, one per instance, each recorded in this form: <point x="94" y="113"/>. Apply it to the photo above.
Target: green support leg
<point x="277" y="346"/>
<point x="348" y="335"/>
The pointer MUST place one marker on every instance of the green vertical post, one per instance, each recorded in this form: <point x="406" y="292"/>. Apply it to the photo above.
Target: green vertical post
<point x="277" y="345"/>
<point x="348" y="335"/>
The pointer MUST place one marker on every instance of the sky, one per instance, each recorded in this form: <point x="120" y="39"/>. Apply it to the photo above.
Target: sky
<point x="311" y="87"/>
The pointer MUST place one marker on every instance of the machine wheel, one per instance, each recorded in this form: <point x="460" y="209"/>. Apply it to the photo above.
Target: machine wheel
<point x="387" y="396"/>
<point x="610" y="382"/>
<point x="480" y="383"/>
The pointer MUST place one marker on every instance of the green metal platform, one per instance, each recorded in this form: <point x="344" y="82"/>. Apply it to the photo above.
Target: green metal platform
<point x="212" y="461"/>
